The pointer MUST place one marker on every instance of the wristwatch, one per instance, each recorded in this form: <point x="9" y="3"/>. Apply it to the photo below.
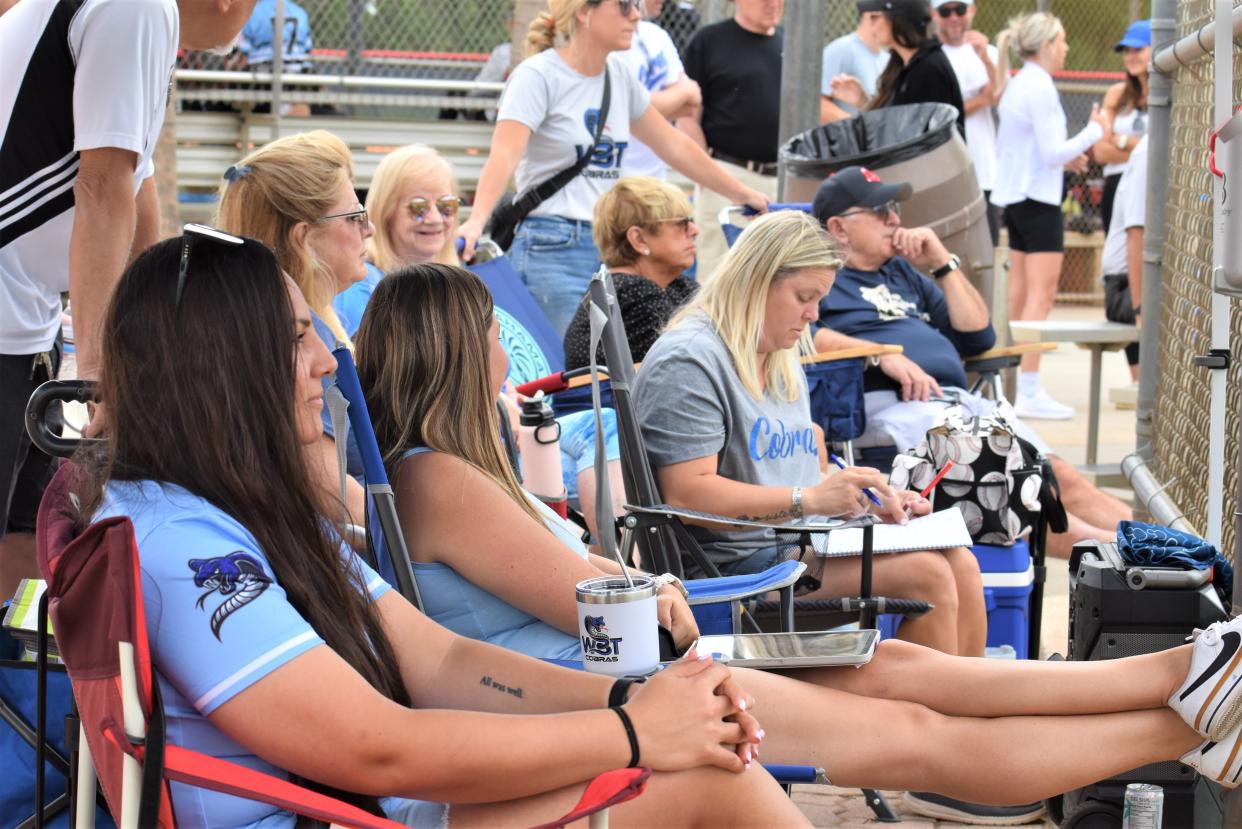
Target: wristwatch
<point x="668" y="578"/>
<point x="948" y="267"/>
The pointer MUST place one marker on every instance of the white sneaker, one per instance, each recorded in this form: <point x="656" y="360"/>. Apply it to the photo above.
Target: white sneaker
<point x="1041" y="406"/>
<point x="1220" y="761"/>
<point x="1210" y="700"/>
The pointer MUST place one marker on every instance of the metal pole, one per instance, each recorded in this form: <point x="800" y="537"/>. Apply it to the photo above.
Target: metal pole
<point x="354" y="39"/>
<point x="801" y="59"/>
<point x="1220" y="303"/>
<point x="278" y="62"/>
<point x="1159" y="109"/>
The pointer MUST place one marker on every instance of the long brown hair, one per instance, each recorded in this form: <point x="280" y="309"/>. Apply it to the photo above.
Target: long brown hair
<point x="422" y="353"/>
<point x="909" y="30"/>
<point x="201" y="396"/>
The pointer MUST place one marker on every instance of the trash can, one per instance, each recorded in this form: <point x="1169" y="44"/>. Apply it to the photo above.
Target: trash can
<point x="916" y="143"/>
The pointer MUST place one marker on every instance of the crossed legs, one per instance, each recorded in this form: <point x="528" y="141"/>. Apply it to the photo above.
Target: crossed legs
<point x="981" y="730"/>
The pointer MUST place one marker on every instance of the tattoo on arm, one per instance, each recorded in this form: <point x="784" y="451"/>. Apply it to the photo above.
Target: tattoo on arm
<point x="776" y="516"/>
<point x="488" y="682"/>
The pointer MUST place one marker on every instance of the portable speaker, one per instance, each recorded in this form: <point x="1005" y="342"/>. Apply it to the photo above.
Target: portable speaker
<point x="1117" y="610"/>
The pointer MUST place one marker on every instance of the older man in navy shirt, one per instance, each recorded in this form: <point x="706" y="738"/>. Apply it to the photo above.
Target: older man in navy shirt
<point x="902" y="286"/>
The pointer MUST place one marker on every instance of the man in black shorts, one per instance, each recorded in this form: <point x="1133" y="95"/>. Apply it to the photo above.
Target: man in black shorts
<point x="82" y="110"/>
<point x="737" y="65"/>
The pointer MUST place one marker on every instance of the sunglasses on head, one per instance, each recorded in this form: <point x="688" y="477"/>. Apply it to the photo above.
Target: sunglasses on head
<point x="190" y="234"/>
<point x="956" y="9"/>
<point x="356" y="217"/>
<point x="881" y="210"/>
<point x="420" y="207"/>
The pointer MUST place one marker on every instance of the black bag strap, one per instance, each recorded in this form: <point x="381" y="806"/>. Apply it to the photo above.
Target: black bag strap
<point x="153" y="761"/>
<point x="543" y="191"/>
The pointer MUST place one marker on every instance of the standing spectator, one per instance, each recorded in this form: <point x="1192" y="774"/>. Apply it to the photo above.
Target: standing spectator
<point x="1125" y="109"/>
<point x="917" y="71"/>
<point x="1033" y="151"/>
<point x="82" y="110"/>
<point x="974" y="62"/>
<point x="1122" y="264"/>
<point x="861" y="54"/>
<point x="655" y="61"/>
<point x="547" y="118"/>
<point x="737" y="64"/>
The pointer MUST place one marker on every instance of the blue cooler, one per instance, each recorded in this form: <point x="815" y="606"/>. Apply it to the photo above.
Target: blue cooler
<point x="1008" y="575"/>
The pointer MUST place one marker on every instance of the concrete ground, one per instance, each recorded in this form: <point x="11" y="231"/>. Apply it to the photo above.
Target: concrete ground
<point x="1066" y="374"/>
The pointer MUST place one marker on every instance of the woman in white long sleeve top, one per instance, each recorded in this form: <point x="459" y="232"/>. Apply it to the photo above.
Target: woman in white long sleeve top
<point x="1033" y="151"/>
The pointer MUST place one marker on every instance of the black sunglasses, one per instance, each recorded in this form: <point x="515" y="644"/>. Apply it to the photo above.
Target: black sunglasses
<point x="948" y="11"/>
<point x="880" y="210"/>
<point x="189" y="235"/>
<point x="682" y="222"/>
<point x="626" y="7"/>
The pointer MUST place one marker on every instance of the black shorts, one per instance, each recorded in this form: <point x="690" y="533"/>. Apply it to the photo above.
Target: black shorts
<point x="24" y="470"/>
<point x="1035" y="227"/>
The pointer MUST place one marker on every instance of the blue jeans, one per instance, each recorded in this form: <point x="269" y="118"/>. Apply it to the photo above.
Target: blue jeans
<point x="578" y="444"/>
<point x="556" y="258"/>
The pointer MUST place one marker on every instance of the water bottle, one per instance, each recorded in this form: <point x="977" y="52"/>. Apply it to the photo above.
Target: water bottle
<point x="539" y="442"/>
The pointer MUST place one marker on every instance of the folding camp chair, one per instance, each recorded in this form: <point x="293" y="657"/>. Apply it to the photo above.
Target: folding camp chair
<point x="95" y="590"/>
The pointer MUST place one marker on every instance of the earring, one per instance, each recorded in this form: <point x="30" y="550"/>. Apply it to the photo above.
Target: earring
<point x="647" y="252"/>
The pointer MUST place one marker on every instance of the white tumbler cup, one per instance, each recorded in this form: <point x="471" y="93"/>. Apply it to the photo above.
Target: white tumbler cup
<point x="617" y="625"/>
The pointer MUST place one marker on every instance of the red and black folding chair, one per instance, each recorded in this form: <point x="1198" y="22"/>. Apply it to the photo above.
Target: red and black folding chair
<point x="95" y="589"/>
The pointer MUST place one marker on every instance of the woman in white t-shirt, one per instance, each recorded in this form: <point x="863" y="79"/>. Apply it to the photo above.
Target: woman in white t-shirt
<point x="546" y="120"/>
<point x="1033" y="151"/>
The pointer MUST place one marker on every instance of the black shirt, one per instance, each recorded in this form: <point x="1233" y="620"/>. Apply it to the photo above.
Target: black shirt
<point x="929" y="77"/>
<point x="740" y="75"/>
<point x="645" y="309"/>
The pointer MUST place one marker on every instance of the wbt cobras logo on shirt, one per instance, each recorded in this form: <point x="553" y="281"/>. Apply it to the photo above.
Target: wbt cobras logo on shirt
<point x="607" y="156"/>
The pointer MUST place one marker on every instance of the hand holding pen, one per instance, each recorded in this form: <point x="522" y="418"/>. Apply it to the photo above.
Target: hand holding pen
<point x="853" y="491"/>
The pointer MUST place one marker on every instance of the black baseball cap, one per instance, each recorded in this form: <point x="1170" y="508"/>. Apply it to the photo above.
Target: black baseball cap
<point x="854" y="187"/>
<point x="891" y="6"/>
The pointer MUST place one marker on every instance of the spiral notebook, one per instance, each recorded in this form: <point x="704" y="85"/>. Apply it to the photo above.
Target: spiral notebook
<point x="937" y="531"/>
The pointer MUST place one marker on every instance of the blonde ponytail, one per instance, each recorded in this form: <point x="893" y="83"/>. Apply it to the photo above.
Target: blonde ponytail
<point x="1026" y="35"/>
<point x="558" y="19"/>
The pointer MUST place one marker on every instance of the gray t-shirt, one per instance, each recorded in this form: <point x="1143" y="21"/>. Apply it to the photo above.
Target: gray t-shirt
<point x="692" y="405"/>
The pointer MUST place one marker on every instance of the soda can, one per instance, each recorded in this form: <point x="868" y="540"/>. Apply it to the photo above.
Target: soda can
<point x="1144" y="806"/>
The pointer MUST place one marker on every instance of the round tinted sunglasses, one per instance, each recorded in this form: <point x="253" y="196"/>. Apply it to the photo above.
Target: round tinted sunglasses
<point x="420" y="207"/>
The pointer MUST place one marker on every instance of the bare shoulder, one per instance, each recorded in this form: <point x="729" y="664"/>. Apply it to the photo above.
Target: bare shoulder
<point x="1112" y="98"/>
<point x="433" y="477"/>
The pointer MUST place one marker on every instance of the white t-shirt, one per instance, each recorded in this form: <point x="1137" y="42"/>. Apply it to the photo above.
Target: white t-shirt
<point x="972" y="76"/>
<point x="1129" y="210"/>
<point x="654" y="60"/>
<point x="69" y="81"/>
<point x="561" y="107"/>
<point x="1127" y="123"/>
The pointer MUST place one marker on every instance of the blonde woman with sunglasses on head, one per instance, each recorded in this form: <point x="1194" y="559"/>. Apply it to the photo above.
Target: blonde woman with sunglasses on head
<point x="546" y="121"/>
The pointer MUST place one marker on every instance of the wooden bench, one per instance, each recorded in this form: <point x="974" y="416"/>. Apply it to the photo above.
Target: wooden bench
<point x="1096" y="337"/>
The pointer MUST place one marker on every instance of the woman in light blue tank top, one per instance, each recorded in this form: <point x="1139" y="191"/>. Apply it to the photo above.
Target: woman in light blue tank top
<point x="431" y="364"/>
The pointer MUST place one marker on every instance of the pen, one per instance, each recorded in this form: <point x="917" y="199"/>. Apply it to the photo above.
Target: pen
<point x="927" y="489"/>
<point x="866" y="490"/>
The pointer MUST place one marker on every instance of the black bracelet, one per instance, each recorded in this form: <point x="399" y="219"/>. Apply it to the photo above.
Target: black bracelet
<point x="629" y="732"/>
<point x="617" y="695"/>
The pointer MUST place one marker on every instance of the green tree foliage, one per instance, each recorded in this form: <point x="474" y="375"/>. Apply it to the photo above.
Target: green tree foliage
<point x="1092" y="27"/>
<point x="410" y="25"/>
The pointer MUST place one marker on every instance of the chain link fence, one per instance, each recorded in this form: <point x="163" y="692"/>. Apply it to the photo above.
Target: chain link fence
<point x="1181" y="444"/>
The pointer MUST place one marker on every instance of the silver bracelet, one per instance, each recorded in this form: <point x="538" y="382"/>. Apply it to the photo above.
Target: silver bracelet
<point x="795" y="502"/>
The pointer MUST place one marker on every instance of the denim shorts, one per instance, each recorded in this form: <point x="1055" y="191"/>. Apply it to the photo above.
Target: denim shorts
<point x="556" y="258"/>
<point x="578" y="444"/>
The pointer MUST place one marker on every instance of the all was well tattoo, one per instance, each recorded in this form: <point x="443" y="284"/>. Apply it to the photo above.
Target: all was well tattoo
<point x="488" y="682"/>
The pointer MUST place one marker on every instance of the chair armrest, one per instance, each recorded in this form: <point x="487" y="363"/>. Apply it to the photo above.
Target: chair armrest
<point x="1016" y="350"/>
<point x="734" y="588"/>
<point x="872" y="350"/>
<point x="786" y="774"/>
